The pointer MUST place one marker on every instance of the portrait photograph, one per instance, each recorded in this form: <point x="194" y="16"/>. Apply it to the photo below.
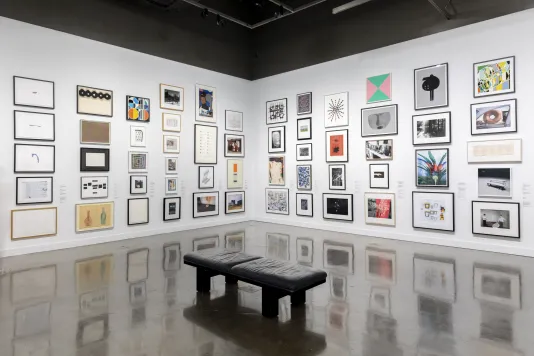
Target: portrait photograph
<point x="277" y="139"/>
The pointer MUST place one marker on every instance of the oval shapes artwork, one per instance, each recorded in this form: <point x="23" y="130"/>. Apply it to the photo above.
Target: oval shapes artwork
<point x="138" y="109"/>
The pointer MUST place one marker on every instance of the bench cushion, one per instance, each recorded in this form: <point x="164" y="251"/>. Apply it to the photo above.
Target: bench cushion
<point x="280" y="274"/>
<point x="218" y="259"/>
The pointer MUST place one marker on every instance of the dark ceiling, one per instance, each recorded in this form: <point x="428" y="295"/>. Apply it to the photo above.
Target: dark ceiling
<point x="174" y="29"/>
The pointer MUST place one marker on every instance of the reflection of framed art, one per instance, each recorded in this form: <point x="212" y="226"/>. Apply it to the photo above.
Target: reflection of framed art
<point x="337" y="146"/>
<point x="304" y="204"/>
<point x="94" y="159"/>
<point x="433" y="168"/>
<point x="430" y="129"/>
<point x="171" y="185"/>
<point x="137" y="265"/>
<point x="95" y="132"/>
<point x="234" y="202"/>
<point x="138" y="211"/>
<point x="93" y="101"/>
<point x="379" y="176"/>
<point x="234" y="179"/>
<point x="205" y="243"/>
<point x="378" y="88"/>
<point x="93" y="273"/>
<point x="205" y="204"/>
<point x="497" y="284"/>
<point x="277" y="246"/>
<point x="234" y="145"/>
<point x="304" y="128"/>
<point x="94" y="216"/>
<point x="304" y="177"/>
<point x="172" y="208"/>
<point x="206" y="178"/>
<point x="94" y="187"/>
<point x="92" y="330"/>
<point x="304" y="103"/>
<point x="434" y="277"/>
<point x="171" y="97"/>
<point x="138" y="184"/>
<point x="433" y="210"/>
<point x="431" y="87"/>
<point x="137" y="109"/>
<point x="171" y="122"/>
<point x="171" y="164"/>
<point x="206" y="104"/>
<point x="171" y="144"/>
<point x="205" y="144"/>
<point x="380" y="120"/>
<point x="305" y="251"/>
<point x="233" y="120"/>
<point x="379" y="150"/>
<point x="32" y="320"/>
<point x="34" y="126"/>
<point x="304" y="152"/>
<point x="33" y="223"/>
<point x="380" y="265"/>
<point x="94" y="303"/>
<point x="137" y="136"/>
<point x="495" y="182"/>
<point x="336" y="177"/>
<point x="493" y="218"/>
<point x="235" y="241"/>
<point x="379" y="300"/>
<point x="494" y="77"/>
<point x="338" y="257"/>
<point x="277" y="201"/>
<point x="336" y="110"/>
<point x="171" y="257"/>
<point x="35" y="93"/>
<point x="338" y="206"/>
<point x="276" y="111"/>
<point x="35" y="158"/>
<point x="34" y="190"/>
<point x="277" y="139"/>
<point x="33" y="284"/>
<point x="494" y="117"/>
<point x="380" y="208"/>
<point x="494" y="151"/>
<point x="138" y="293"/>
<point x="137" y="162"/>
<point x="277" y="170"/>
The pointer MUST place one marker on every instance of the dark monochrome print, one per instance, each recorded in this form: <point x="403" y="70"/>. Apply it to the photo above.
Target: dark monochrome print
<point x="337" y="206"/>
<point x="172" y="97"/>
<point x="431" y="87"/>
<point x="337" y="177"/>
<point x="497" y="219"/>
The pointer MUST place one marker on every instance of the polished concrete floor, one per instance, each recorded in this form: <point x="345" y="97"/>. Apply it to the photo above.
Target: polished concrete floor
<point x="382" y="298"/>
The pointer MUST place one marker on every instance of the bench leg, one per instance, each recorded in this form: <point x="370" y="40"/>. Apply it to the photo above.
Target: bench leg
<point x="203" y="281"/>
<point x="298" y="298"/>
<point x="269" y="302"/>
<point x="230" y="280"/>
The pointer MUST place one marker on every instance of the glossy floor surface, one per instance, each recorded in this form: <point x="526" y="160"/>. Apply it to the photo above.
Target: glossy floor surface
<point x="382" y="298"/>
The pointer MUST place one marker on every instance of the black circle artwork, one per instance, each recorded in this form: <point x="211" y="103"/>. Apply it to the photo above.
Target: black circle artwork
<point x="94" y="94"/>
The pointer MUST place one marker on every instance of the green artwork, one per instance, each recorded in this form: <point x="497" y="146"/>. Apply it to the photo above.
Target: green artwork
<point x="379" y="88"/>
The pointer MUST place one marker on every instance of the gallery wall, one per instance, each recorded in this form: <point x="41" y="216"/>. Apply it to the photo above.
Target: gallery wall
<point x="69" y="61"/>
<point x="460" y="48"/>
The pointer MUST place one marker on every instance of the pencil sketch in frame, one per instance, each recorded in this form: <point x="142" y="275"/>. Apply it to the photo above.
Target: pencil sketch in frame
<point x="34" y="126"/>
<point x="206" y="177"/>
<point x="494" y="151"/>
<point x="171" y="144"/>
<point x="336" y="110"/>
<point x="171" y="122"/>
<point x="34" y="190"/>
<point x="233" y="120"/>
<point x="35" y="93"/>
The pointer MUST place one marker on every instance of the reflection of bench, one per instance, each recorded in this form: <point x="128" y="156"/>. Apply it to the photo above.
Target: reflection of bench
<point x="277" y="278"/>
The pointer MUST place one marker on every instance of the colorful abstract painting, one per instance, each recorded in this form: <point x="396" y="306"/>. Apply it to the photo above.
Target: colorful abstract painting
<point x="138" y="109"/>
<point x="379" y="88"/>
<point x="494" y="77"/>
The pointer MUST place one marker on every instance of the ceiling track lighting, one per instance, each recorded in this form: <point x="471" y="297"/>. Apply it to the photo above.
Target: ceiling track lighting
<point x="220" y="21"/>
<point x="204" y="13"/>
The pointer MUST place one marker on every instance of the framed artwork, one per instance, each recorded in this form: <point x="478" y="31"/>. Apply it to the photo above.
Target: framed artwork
<point x="94" y="159"/>
<point x="93" y="101"/>
<point x="35" y="158"/>
<point x="138" y="211"/>
<point x="336" y="110"/>
<point x="337" y="177"/>
<point x="172" y="208"/>
<point x="235" y="241"/>
<point x="34" y="126"/>
<point x="433" y="211"/>
<point x="304" y="204"/>
<point x="33" y="223"/>
<point x="277" y="201"/>
<point x="233" y="120"/>
<point x="138" y="184"/>
<point x="137" y="265"/>
<point x="494" y="77"/>
<point x="137" y="162"/>
<point x="171" y="144"/>
<point x="276" y="111"/>
<point x="234" y="171"/>
<point x="338" y="206"/>
<point x="92" y="330"/>
<point x="95" y="132"/>
<point x="380" y="265"/>
<point x="380" y="121"/>
<point x="378" y="88"/>
<point x="171" y="97"/>
<point x="205" y="144"/>
<point x="95" y="216"/>
<point x="137" y="136"/>
<point x="137" y="109"/>
<point x="495" y="182"/>
<point x="171" y="257"/>
<point x="93" y="273"/>
<point x="138" y="293"/>
<point x="34" y="190"/>
<point x="431" y="129"/>
<point x="380" y="209"/>
<point x="206" y="177"/>
<point x="278" y="246"/>
<point x="304" y="128"/>
<point x="32" y="320"/>
<point x="206" y="104"/>
<point x="497" y="285"/>
<point x="94" y="303"/>
<point x="376" y="150"/>
<point x="431" y="87"/>
<point x="277" y="170"/>
<point x="205" y="243"/>
<point x="304" y="250"/>
<point x="494" y="151"/>
<point x="277" y="139"/>
<point x="494" y="117"/>
<point x="434" y="277"/>
<point x="432" y="167"/>
<point x="338" y="287"/>
<point x="379" y="300"/>
<point x="234" y="145"/>
<point x="338" y="257"/>
<point x="379" y="176"/>
<point x="337" y="146"/>
<point x="234" y="202"/>
<point x="205" y="204"/>
<point x="304" y="104"/>
<point x="304" y="152"/>
<point x="304" y="177"/>
<point x="93" y="187"/>
<point x="35" y="93"/>
<point x="33" y="284"/>
<point x="496" y="219"/>
<point x="171" y="185"/>
<point x="171" y="122"/>
<point x="171" y="164"/>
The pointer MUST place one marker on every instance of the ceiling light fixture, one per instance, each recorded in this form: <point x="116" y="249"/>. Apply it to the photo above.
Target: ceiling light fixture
<point x="220" y="21"/>
<point x="204" y="13"/>
<point x="347" y="6"/>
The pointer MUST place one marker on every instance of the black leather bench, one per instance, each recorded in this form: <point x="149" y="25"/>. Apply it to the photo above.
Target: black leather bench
<point x="277" y="278"/>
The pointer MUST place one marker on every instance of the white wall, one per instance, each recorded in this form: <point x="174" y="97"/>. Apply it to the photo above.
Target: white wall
<point x="36" y="52"/>
<point x="501" y="37"/>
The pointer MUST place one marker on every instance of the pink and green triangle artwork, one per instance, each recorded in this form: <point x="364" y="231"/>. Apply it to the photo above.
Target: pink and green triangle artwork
<point x="379" y="88"/>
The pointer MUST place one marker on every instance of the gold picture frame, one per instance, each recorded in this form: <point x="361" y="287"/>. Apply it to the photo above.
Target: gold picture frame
<point x="27" y="227"/>
<point x="93" y="273"/>
<point x="95" y="216"/>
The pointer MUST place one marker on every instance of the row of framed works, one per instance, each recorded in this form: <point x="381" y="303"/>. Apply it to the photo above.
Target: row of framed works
<point x="430" y="210"/>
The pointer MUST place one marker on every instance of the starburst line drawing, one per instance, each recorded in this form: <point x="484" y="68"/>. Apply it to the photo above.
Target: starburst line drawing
<point x="336" y="109"/>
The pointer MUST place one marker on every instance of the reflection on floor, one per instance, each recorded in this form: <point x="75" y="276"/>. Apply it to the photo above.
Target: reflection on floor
<point x="382" y="298"/>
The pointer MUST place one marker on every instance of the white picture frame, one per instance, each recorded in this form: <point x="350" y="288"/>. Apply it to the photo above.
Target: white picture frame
<point x="233" y="120"/>
<point x="206" y="103"/>
<point x="35" y="158"/>
<point x="171" y="185"/>
<point x="435" y="277"/>
<point x="378" y="211"/>
<point x="138" y="184"/>
<point x="171" y="165"/>
<point x="379" y="176"/>
<point x="171" y="144"/>
<point x="34" y="190"/>
<point x="494" y="151"/>
<point x="304" y="204"/>
<point x="171" y="97"/>
<point x="94" y="187"/>
<point x="137" y="161"/>
<point x="234" y="171"/>
<point x="336" y="110"/>
<point x="138" y="211"/>
<point x="171" y="122"/>
<point x="34" y="126"/>
<point x="33" y="223"/>
<point x="277" y="201"/>
<point x="205" y="204"/>
<point x="137" y="136"/>
<point x="35" y="93"/>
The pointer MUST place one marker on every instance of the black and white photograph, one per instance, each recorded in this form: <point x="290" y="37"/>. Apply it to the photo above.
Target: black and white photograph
<point x="304" y="204"/>
<point x="431" y="129"/>
<point x="277" y="139"/>
<point x="206" y="178"/>
<point x="138" y="184"/>
<point x="379" y="150"/>
<point x="171" y="97"/>
<point x="497" y="284"/>
<point x="379" y="176"/>
<point x="276" y="111"/>
<point x="304" y="128"/>
<point x="380" y="120"/>
<point x="305" y="251"/>
<point x="494" y="117"/>
<point x="338" y="206"/>
<point x="495" y="182"/>
<point x="304" y="103"/>
<point x="336" y="177"/>
<point x="338" y="257"/>
<point x="35" y="93"/>
<point x="171" y="164"/>
<point x="431" y="87"/>
<point x="172" y="208"/>
<point x="496" y="219"/>
<point x="304" y="152"/>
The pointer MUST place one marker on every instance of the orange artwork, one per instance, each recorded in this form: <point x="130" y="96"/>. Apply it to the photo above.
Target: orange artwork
<point x="336" y="145"/>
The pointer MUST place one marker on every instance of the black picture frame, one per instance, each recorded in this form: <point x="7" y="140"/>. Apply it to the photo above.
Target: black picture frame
<point x="78" y="104"/>
<point x="283" y="139"/>
<point x="371" y="178"/>
<point x="34" y="106"/>
<point x="147" y="211"/>
<point x="226" y="120"/>
<point x="516" y="113"/>
<point x="448" y="168"/>
<point x="297" y="152"/>
<point x="311" y="128"/>
<point x="311" y="176"/>
<point x="453" y="211"/>
<point x="242" y="154"/>
<point x="297" y="201"/>
<point x="213" y="174"/>
<point x="433" y="143"/>
<point x="311" y="103"/>
<point x="396" y="106"/>
<point x="30" y="172"/>
<point x="210" y="215"/>
<point x="216" y="144"/>
<point x="36" y="113"/>
<point x="330" y="187"/>
<point x="226" y="202"/>
<point x="179" y="208"/>
<point x="131" y="185"/>
<point x="492" y="60"/>
<point x="446" y="64"/>
<point x="351" y="207"/>
<point x="518" y="237"/>
<point x="43" y="202"/>
<point x="266" y="107"/>
<point x="140" y="97"/>
<point x="83" y="164"/>
<point x="345" y="133"/>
